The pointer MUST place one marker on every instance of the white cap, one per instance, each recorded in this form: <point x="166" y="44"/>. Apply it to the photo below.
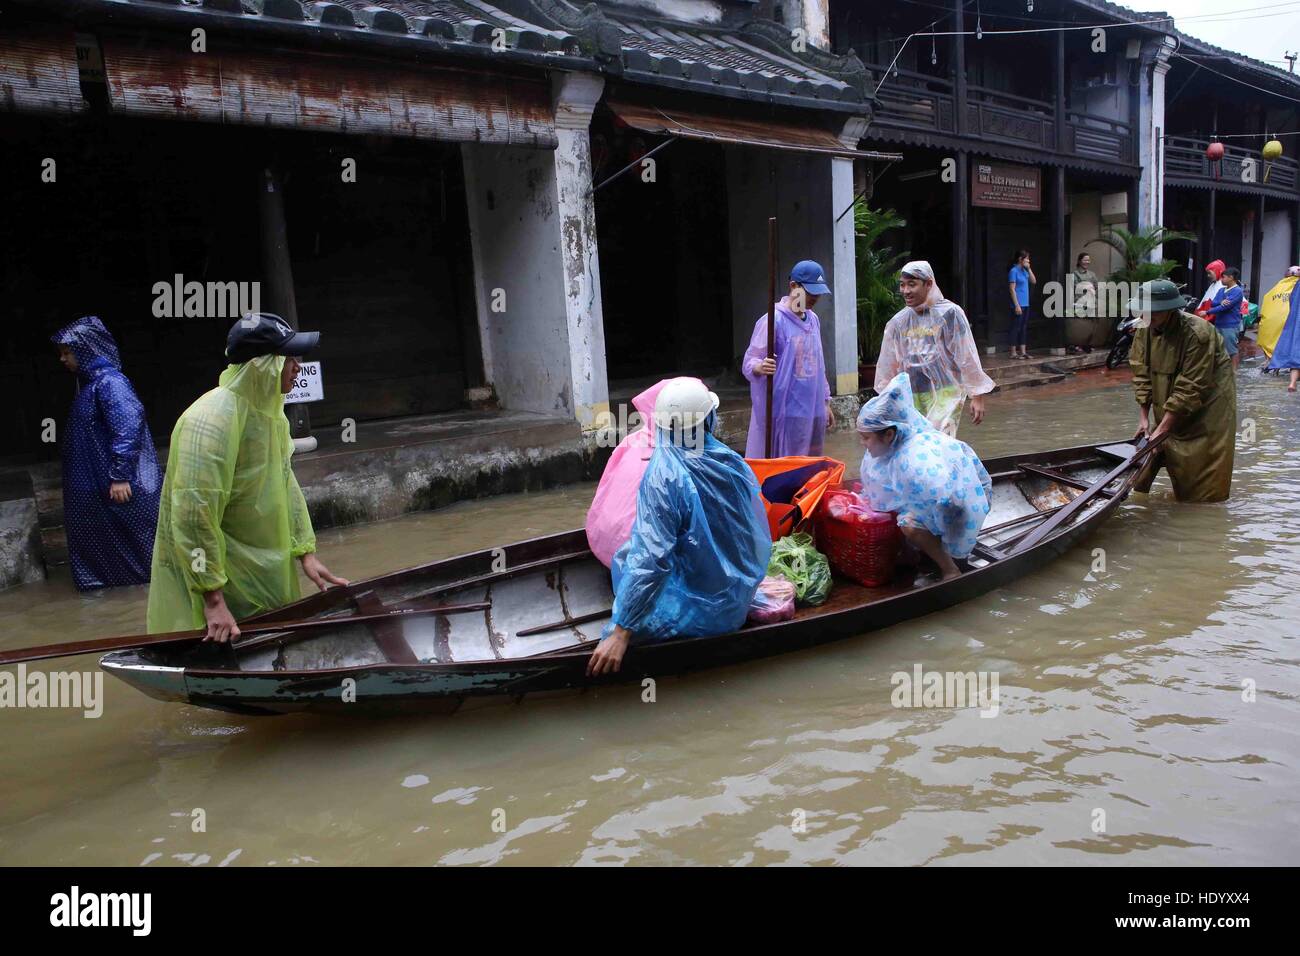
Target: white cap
<point x="683" y="403"/>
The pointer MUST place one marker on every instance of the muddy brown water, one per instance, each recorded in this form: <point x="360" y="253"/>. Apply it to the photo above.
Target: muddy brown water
<point x="1125" y="733"/>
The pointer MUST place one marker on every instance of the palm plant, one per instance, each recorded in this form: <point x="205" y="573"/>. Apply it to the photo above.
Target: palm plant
<point x="877" y="268"/>
<point x="1135" y="249"/>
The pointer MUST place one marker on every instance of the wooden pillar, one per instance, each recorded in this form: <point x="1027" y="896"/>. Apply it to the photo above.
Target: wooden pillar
<point x="959" y="70"/>
<point x="1059" y="84"/>
<point x="961" y="231"/>
<point x="1212" y="249"/>
<point x="277" y="273"/>
<point x="1059" y="252"/>
<point x="1257" y="252"/>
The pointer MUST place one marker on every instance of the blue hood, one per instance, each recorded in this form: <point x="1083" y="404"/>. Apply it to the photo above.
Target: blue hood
<point x="89" y="340"/>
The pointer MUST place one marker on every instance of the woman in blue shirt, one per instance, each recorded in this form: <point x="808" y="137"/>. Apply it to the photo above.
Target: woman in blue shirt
<point x="1225" y="312"/>
<point x="1019" y="279"/>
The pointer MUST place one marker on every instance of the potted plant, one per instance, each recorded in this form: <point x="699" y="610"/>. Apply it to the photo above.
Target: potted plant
<point x="877" y="268"/>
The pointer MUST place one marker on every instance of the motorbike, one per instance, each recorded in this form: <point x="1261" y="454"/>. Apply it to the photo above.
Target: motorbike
<point x="1124" y="333"/>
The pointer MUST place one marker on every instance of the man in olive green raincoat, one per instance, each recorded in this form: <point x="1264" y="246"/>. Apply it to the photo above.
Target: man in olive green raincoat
<point x="1183" y="379"/>
<point x="232" y="517"/>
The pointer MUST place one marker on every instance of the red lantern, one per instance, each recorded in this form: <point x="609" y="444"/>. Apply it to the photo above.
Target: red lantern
<point x="1214" y="153"/>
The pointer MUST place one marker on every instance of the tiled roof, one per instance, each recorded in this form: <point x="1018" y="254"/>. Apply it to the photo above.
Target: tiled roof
<point x="1187" y="41"/>
<point x="745" y="59"/>
<point x="752" y="58"/>
<point x="1258" y="68"/>
<point x="460" y="23"/>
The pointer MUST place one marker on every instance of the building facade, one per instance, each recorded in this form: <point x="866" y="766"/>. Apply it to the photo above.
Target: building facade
<point x="517" y="205"/>
<point x="1038" y="126"/>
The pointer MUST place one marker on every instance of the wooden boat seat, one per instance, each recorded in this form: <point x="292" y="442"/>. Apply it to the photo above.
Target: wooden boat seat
<point x="387" y="634"/>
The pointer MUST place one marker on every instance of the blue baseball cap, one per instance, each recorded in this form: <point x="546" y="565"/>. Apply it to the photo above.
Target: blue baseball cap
<point x="811" y="276"/>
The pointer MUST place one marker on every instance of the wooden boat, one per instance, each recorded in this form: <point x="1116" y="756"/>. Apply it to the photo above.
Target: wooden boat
<point x="523" y="620"/>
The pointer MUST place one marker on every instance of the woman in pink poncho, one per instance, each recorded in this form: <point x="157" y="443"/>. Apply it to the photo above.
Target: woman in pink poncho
<point x="613" y="510"/>
<point x="801" y="393"/>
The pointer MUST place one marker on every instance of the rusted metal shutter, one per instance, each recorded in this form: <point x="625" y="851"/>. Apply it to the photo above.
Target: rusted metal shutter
<point x="736" y="128"/>
<point x="325" y="92"/>
<point x="38" y="72"/>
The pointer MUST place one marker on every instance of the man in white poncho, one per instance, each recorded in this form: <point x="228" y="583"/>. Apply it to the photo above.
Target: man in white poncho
<point x="931" y="341"/>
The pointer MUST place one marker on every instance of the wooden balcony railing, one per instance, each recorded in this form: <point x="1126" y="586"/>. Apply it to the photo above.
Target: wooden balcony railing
<point x="1185" y="159"/>
<point x="914" y="100"/>
<point x="917" y="101"/>
<point x="992" y="114"/>
<point x="1098" y="137"/>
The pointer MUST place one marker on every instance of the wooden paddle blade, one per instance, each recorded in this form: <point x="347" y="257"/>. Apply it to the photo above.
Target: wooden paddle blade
<point x="1078" y="504"/>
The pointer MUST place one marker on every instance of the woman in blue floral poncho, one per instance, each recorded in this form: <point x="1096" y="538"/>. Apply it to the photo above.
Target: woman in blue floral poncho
<point x="937" y="486"/>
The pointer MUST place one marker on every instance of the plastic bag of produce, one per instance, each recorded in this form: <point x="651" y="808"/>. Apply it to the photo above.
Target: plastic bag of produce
<point x="795" y="559"/>
<point x="773" y="601"/>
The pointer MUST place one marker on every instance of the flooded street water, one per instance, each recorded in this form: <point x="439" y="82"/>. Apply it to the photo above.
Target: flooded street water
<point x="1121" y="695"/>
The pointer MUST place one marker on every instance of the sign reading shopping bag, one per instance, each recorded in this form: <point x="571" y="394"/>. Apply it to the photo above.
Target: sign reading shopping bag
<point x="307" y="386"/>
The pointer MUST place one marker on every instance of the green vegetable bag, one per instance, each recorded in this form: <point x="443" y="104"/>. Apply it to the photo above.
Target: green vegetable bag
<point x="795" y="559"/>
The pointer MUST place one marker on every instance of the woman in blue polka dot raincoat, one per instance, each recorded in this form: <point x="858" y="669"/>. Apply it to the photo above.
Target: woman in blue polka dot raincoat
<point x="111" y="480"/>
<point x="935" y="483"/>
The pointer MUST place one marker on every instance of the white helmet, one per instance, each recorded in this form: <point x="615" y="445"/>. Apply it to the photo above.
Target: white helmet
<point x="683" y="403"/>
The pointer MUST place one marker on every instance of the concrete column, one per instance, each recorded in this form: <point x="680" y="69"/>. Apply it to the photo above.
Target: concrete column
<point x="1151" y="127"/>
<point x="842" y="360"/>
<point x="536" y="270"/>
<point x="575" y="96"/>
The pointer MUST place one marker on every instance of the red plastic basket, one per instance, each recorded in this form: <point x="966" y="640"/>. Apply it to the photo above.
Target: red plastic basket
<point x="860" y="546"/>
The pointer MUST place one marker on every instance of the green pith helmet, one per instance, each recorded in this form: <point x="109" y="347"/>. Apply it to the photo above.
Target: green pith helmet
<point x="1158" y="295"/>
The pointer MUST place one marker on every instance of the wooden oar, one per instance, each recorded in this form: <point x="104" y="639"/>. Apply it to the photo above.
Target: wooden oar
<point x="1084" y="498"/>
<point x="103" y="645"/>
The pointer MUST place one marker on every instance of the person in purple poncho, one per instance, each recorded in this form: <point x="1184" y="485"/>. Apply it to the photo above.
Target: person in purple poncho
<point x="801" y="393"/>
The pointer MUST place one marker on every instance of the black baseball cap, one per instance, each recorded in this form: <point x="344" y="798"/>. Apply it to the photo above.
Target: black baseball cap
<point x="260" y="333"/>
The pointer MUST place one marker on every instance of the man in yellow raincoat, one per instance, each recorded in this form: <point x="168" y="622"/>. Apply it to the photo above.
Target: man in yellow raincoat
<point x="1184" y="385"/>
<point x="232" y="517"/>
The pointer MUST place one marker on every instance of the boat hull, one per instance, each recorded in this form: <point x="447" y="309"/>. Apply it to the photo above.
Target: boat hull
<point x="388" y="687"/>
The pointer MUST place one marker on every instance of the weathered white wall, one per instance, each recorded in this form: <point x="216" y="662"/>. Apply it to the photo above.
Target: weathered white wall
<point x="1274" y="254"/>
<point x="1085" y="226"/>
<point x="533" y="235"/>
<point x="515" y="237"/>
<point x="803" y="191"/>
<point x="691" y="11"/>
<point x="811" y="16"/>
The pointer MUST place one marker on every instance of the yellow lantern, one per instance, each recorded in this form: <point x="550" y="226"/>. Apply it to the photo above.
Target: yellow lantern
<point x="1272" y="150"/>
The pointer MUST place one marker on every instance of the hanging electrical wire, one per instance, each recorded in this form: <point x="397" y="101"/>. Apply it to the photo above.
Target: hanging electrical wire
<point x="979" y="33"/>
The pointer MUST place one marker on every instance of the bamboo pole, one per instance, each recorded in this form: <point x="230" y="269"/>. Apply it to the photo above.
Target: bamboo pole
<point x="771" y="326"/>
